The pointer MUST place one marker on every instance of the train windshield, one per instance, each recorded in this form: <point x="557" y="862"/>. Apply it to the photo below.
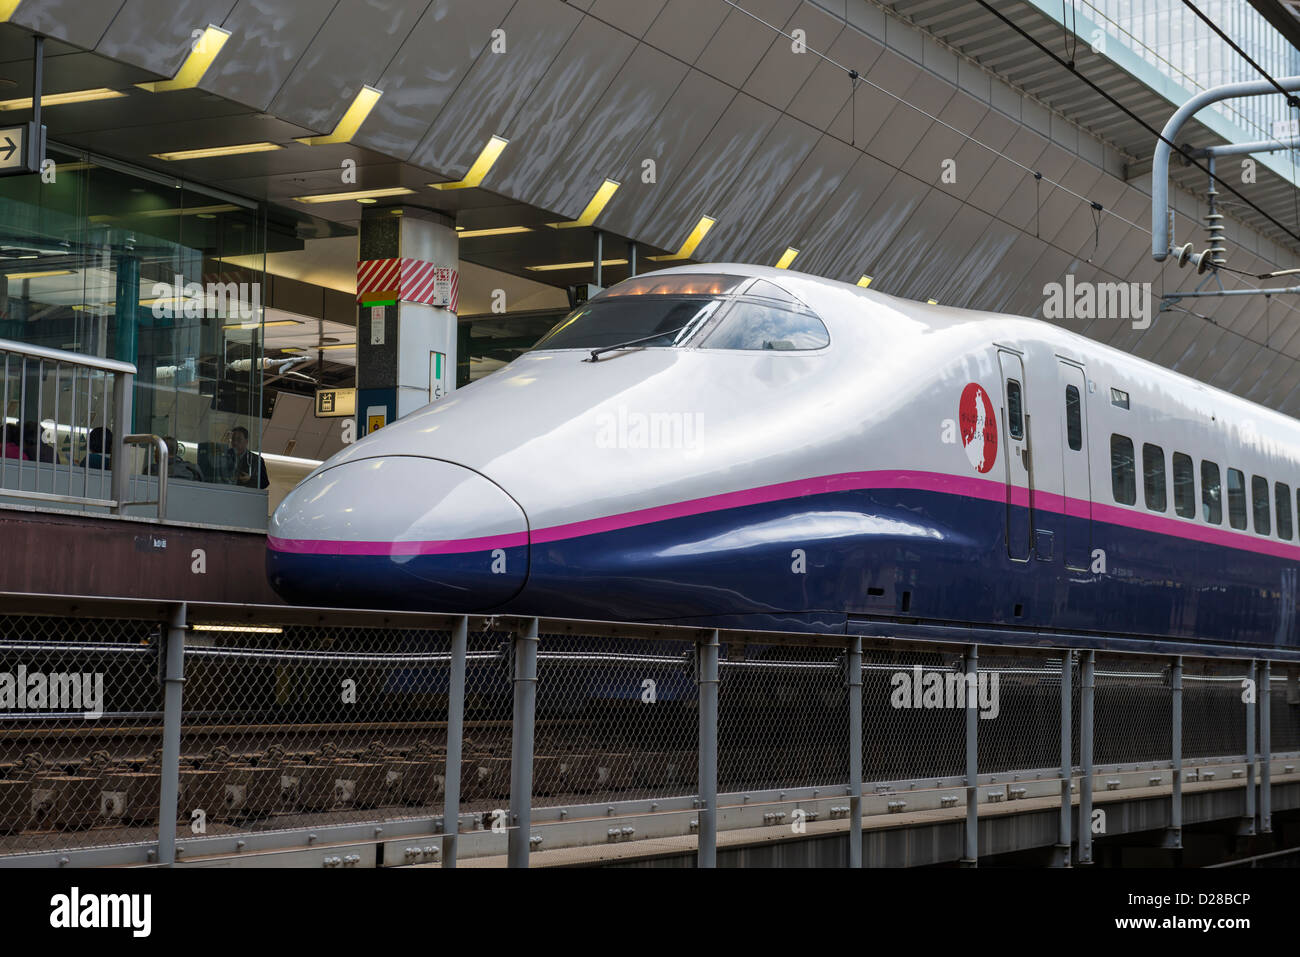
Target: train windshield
<point x="700" y="309"/>
<point x="648" y="320"/>
<point x="767" y="325"/>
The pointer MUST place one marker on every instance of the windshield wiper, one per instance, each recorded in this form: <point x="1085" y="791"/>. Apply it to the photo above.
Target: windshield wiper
<point x="632" y="342"/>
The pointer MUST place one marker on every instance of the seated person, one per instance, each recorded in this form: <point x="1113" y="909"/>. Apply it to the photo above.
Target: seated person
<point x="249" y="469"/>
<point x="177" y="467"/>
<point x="34" y="444"/>
<point x="9" y="446"/>
<point x="99" y="447"/>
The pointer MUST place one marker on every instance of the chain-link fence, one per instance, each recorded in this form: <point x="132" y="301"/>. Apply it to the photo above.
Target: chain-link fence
<point x="782" y="717"/>
<point x="910" y="696"/>
<point x="312" y="726"/>
<point x="1214" y="711"/>
<point x="1025" y="731"/>
<point x="1132" y="712"/>
<point x="617" y="719"/>
<point x="80" y="728"/>
<point x="336" y="723"/>
<point x="1284" y="711"/>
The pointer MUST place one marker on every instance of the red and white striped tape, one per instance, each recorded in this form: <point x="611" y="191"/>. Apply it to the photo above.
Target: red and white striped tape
<point x="378" y="275"/>
<point x="414" y="280"/>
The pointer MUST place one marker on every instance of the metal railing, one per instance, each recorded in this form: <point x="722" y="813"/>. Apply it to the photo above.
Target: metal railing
<point x="63" y="419"/>
<point x="157" y="732"/>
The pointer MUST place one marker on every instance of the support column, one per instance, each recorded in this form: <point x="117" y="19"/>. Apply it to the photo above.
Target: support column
<point x="854" y="663"/>
<point x="1251" y="758"/>
<point x="173" y="682"/>
<point x="972" y="758"/>
<point x="521" y="750"/>
<point x="1174" y="839"/>
<point x="1087" y="682"/>
<point x="1067" y="757"/>
<point x="407" y="295"/>
<point x="706" y="656"/>
<point x="455" y="736"/>
<point x="1266" y="749"/>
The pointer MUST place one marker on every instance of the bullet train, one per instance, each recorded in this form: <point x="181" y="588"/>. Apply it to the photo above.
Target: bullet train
<point x="740" y="446"/>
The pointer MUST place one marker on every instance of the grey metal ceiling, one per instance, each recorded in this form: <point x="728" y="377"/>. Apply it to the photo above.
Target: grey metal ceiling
<point x="768" y="141"/>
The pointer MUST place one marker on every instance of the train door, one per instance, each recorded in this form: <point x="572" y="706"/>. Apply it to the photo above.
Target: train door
<point x="1016" y="438"/>
<point x="1076" y="526"/>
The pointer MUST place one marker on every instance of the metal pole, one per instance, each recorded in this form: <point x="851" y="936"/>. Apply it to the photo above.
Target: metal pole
<point x="122" y="386"/>
<point x="455" y="734"/>
<point x="1067" y="753"/>
<point x="855" y="751"/>
<point x="600" y="255"/>
<point x="1176" y="729"/>
<point x="1241" y="149"/>
<point x="521" y="752"/>
<point x="631" y="257"/>
<point x="1266" y="749"/>
<point x="1085" y="756"/>
<point x="972" y="757"/>
<point x="38" y="73"/>
<point x="1250" y="744"/>
<point x="1160" y="159"/>
<point x="707" y="674"/>
<point x="173" y="684"/>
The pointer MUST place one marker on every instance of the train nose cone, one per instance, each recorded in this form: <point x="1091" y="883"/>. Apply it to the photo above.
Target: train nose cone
<point x="400" y="532"/>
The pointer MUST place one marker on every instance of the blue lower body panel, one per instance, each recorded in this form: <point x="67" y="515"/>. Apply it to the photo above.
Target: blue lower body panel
<point x="814" y="563"/>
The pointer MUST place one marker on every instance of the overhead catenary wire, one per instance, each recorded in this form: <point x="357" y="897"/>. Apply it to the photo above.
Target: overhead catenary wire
<point x="1291" y="100"/>
<point x="930" y="116"/>
<point x="1114" y="101"/>
<point x="856" y="77"/>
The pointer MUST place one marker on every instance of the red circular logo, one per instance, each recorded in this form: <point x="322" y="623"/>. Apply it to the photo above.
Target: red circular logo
<point x="979" y="427"/>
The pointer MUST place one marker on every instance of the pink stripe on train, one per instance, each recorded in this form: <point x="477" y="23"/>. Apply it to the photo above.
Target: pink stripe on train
<point x="967" y="486"/>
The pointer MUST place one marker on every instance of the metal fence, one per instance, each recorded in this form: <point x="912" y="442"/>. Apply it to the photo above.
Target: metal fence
<point x="154" y="730"/>
<point x="64" y="419"/>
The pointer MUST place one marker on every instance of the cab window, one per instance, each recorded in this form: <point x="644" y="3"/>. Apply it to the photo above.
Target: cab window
<point x="751" y="325"/>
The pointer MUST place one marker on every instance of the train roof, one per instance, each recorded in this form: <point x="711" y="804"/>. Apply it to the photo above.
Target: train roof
<point x="816" y="290"/>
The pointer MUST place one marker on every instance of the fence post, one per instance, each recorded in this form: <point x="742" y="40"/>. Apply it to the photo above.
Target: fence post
<point x="1067" y="757"/>
<point x="1266" y="749"/>
<point x="1175" y="837"/>
<point x="972" y="757"/>
<point x="173" y="651"/>
<point x="1249" y="823"/>
<point x="1087" y="682"/>
<point x="521" y="751"/>
<point x="455" y="736"/>
<point x="855" y="751"/>
<point x="707" y="675"/>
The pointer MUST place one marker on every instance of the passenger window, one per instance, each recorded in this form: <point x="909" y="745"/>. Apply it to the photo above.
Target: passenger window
<point x="1236" y="498"/>
<point x="1184" y="486"/>
<point x="1211" y="493"/>
<point x="1123" y="480"/>
<point x="1015" y="410"/>
<point x="1073" y="418"/>
<point x="1153" y="477"/>
<point x="1259" y="505"/>
<point x="1282" y="495"/>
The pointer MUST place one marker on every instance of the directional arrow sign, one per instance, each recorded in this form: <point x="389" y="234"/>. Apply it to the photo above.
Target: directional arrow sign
<point x="13" y="148"/>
